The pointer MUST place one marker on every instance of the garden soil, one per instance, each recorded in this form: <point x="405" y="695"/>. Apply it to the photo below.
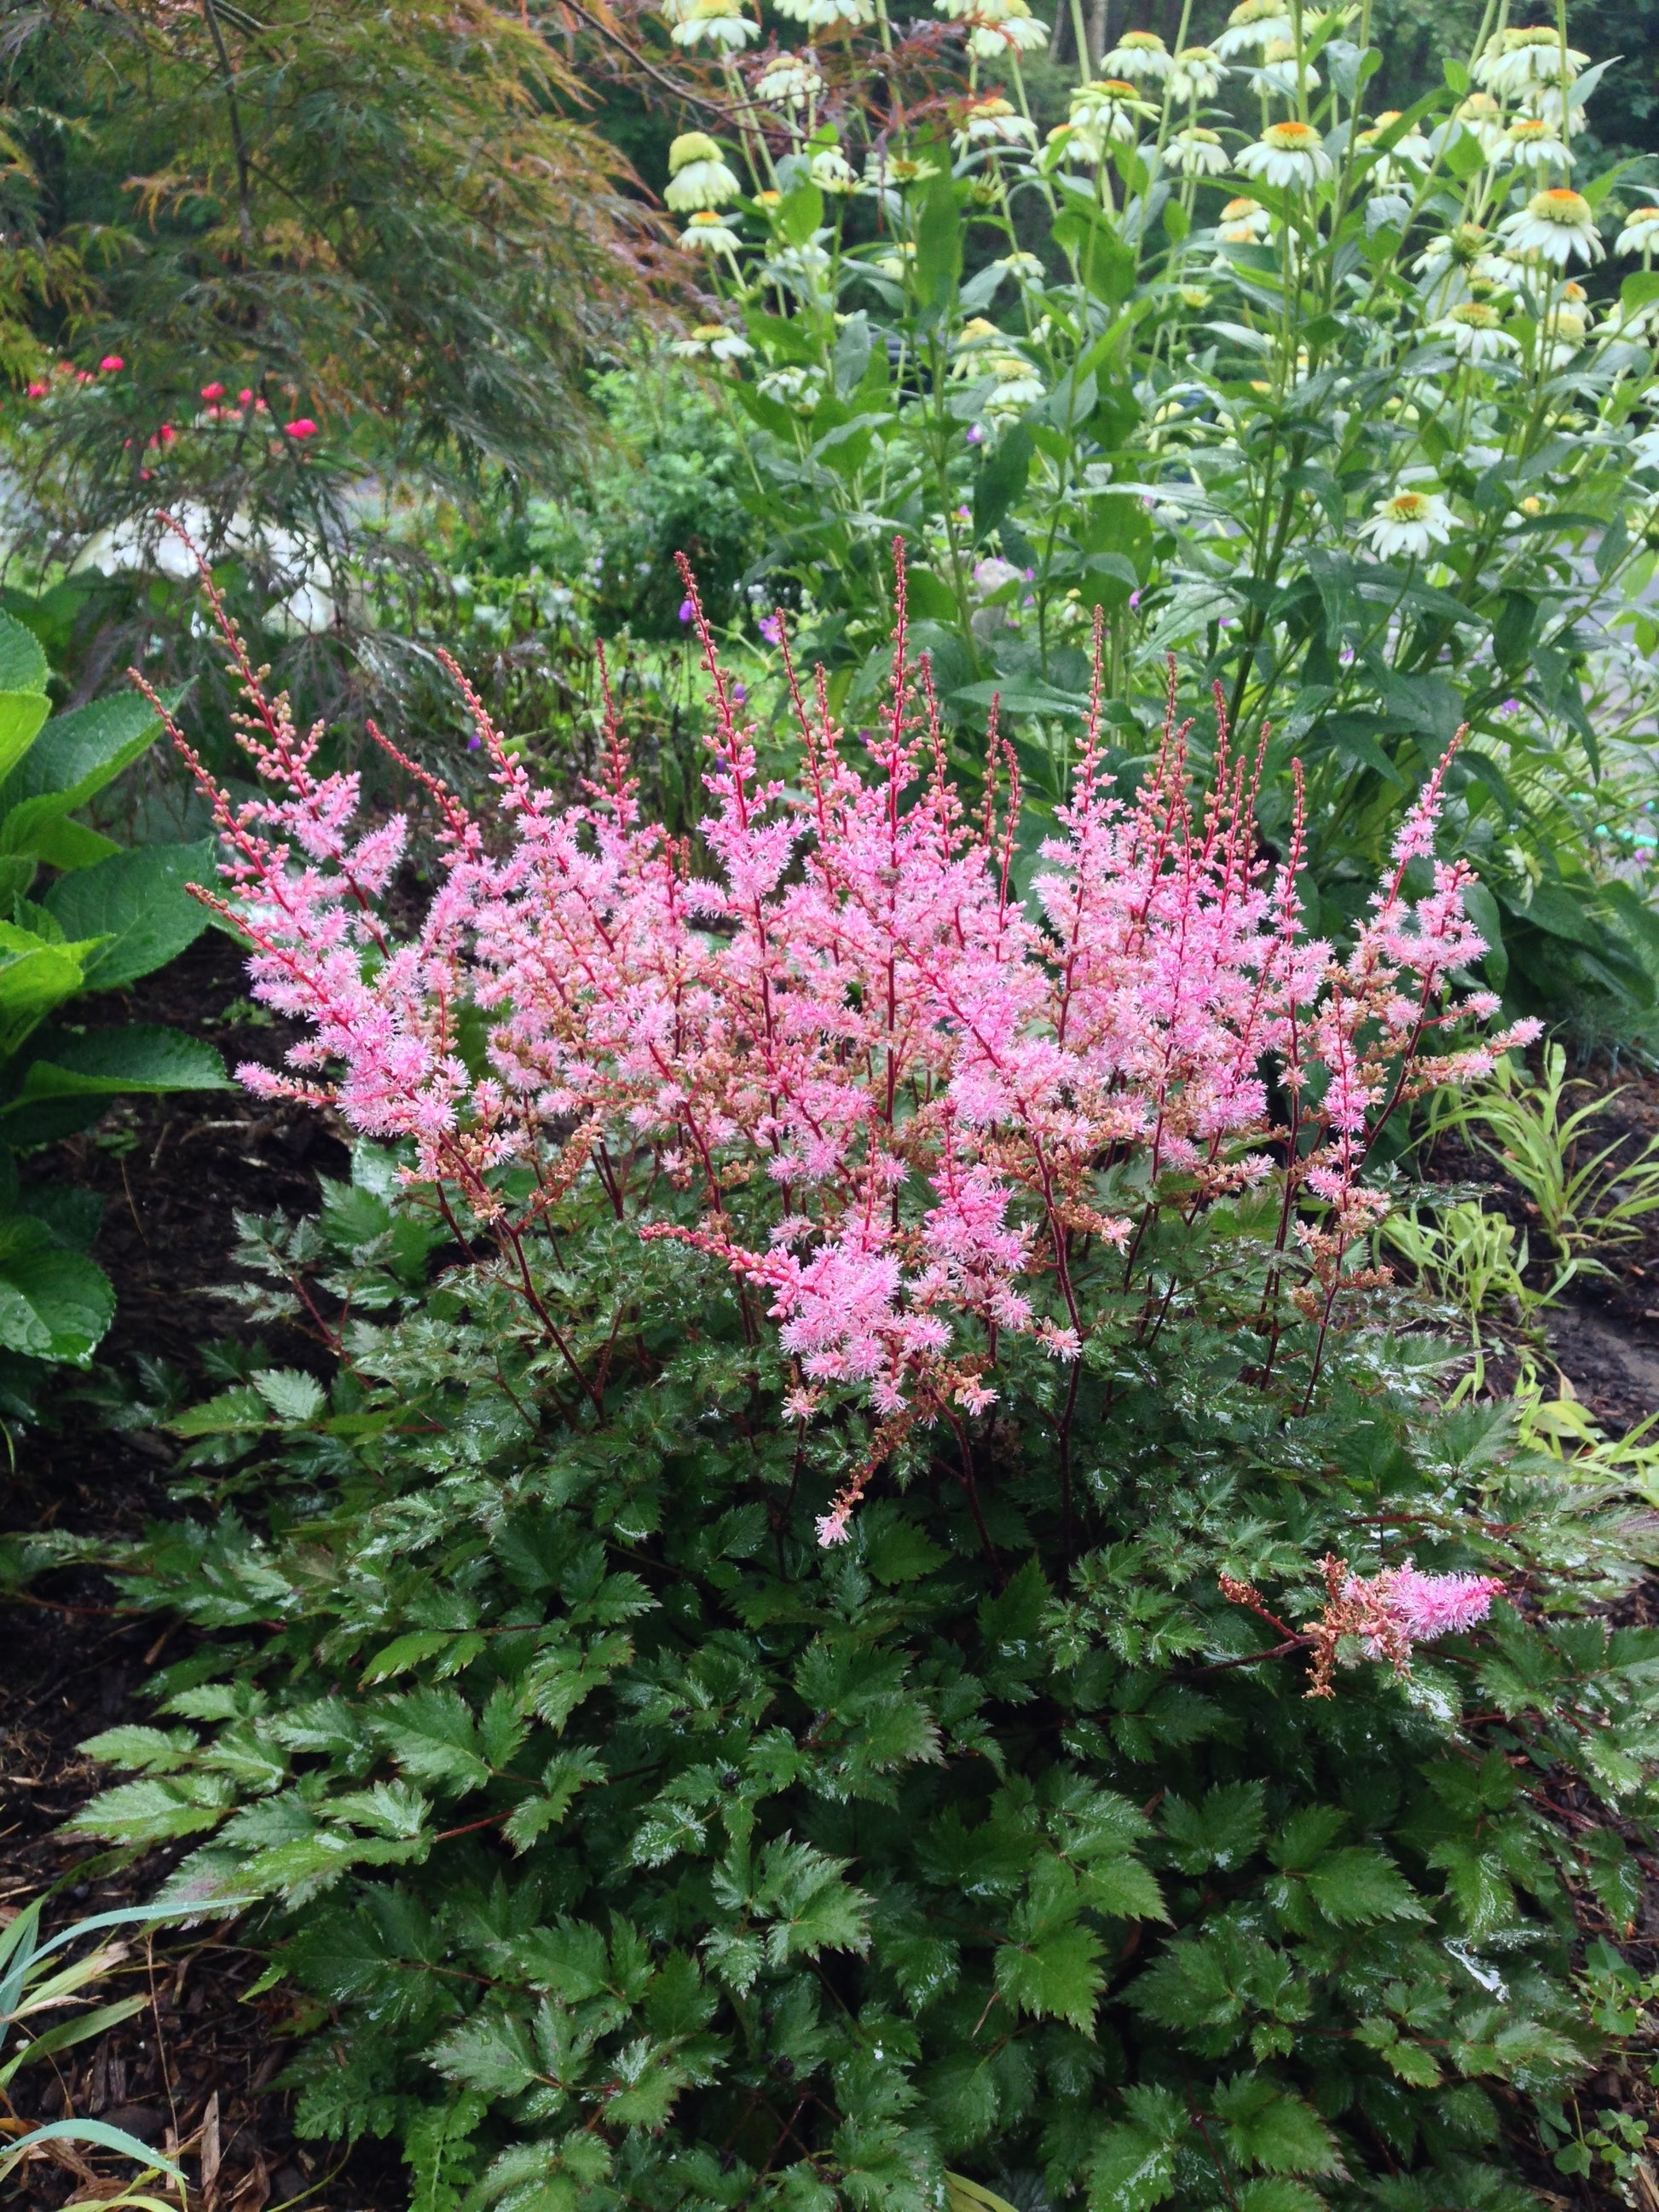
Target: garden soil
<point x="197" y="2070"/>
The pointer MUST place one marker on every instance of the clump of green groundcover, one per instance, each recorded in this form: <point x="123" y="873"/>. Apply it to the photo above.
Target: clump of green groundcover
<point x="630" y="1847"/>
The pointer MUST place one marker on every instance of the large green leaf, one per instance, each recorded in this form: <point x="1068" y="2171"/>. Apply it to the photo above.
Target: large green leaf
<point x="34" y="977"/>
<point x="137" y="903"/>
<point x="104" y="1063"/>
<point x="73" y="758"/>
<point x="65" y="844"/>
<point x="54" y="1303"/>
<point x="23" y="661"/>
<point x="21" y="713"/>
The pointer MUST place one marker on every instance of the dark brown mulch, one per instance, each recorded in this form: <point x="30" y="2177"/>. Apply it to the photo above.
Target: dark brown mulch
<point x="197" y="2065"/>
<point x="1604" y="1337"/>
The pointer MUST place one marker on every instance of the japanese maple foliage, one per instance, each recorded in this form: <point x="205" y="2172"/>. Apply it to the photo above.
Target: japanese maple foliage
<point x="952" y="1112"/>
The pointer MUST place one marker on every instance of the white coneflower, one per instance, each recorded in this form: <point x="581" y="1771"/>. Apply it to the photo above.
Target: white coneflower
<point x="1139" y="56"/>
<point x="719" y="23"/>
<point x="1515" y="62"/>
<point x="1558" y="224"/>
<point x="1197" y="74"/>
<point x="1275" y="78"/>
<point x="1482" y="119"/>
<point x="992" y="123"/>
<point x="1563" y="340"/>
<point x="1533" y="144"/>
<point x="1476" y="331"/>
<point x="801" y="388"/>
<point x="716" y="340"/>
<point x="1253" y="25"/>
<point x="828" y="14"/>
<point x="707" y="234"/>
<point x="791" y="81"/>
<point x="1287" y="153"/>
<point x="832" y="172"/>
<point x="697" y="174"/>
<point x="1071" y="154"/>
<point x="1111" y="108"/>
<point x="1196" y="153"/>
<point x="1640" y="233"/>
<point x="1409" y="157"/>
<point x="1243" y="222"/>
<point x="1411" y="522"/>
<point x="1013" y="29"/>
<point x="968" y="356"/>
<point x="1023" y="268"/>
<point x="1018" y="384"/>
<point x="897" y="170"/>
<point x="898" y="262"/>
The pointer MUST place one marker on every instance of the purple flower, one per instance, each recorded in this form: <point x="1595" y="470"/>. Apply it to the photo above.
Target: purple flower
<point x="1509" y="707"/>
<point x="739" y="694"/>
<point x="964" y="514"/>
<point x="771" y="629"/>
<point x="475" y="743"/>
<point x="686" y="610"/>
<point x="1346" y="656"/>
<point x="976" y="434"/>
<point x="1134" y="601"/>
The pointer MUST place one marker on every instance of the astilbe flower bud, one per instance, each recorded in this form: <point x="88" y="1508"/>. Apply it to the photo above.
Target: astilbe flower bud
<point x="915" y="1077"/>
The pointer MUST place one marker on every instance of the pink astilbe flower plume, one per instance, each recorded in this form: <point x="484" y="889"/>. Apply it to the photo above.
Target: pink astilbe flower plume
<point x="1385" y="1615"/>
<point x="894" y="1096"/>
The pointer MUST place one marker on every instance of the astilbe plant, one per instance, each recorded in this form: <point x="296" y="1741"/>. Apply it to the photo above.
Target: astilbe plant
<point x="956" y="1113"/>
<point x="764" y="1664"/>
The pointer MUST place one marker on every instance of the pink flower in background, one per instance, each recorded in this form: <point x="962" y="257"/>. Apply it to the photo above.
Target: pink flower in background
<point x="112" y="361"/>
<point x="216" y="391"/>
<point x="300" y="427"/>
<point x="38" y="391"/>
<point x="771" y="629"/>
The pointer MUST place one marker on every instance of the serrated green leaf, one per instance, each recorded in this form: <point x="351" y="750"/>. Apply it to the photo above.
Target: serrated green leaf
<point x="1358" y="1886"/>
<point x="138" y="903"/>
<point x="134" y="1057"/>
<point x="23" y="665"/>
